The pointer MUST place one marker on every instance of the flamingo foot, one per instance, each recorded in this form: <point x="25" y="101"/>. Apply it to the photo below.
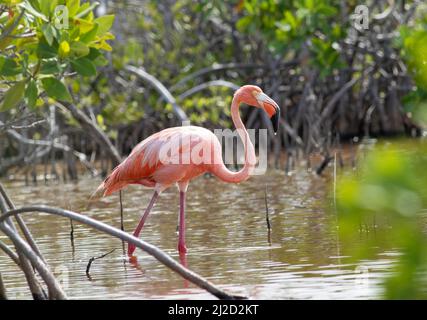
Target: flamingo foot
<point x="131" y="249"/>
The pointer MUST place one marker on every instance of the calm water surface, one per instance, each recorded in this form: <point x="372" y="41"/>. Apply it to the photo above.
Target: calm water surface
<point x="226" y="235"/>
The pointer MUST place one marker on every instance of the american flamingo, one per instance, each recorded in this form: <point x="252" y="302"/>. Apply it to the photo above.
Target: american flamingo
<point x="146" y="166"/>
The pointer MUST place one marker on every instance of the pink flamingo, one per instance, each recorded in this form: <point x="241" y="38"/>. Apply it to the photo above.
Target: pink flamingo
<point x="154" y="163"/>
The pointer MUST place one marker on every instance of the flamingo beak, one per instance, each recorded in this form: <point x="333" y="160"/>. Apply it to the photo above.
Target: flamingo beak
<point x="275" y="120"/>
<point x="272" y="109"/>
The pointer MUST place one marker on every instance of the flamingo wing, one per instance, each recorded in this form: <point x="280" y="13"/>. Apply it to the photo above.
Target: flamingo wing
<point x="146" y="164"/>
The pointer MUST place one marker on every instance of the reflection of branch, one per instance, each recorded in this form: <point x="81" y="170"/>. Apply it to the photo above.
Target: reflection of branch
<point x="55" y="290"/>
<point x="148" y="248"/>
<point x="160" y="88"/>
<point x="5" y="248"/>
<point x="3" y="294"/>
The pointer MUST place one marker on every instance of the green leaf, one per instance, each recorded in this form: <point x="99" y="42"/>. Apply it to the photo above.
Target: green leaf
<point x="85" y="9"/>
<point x="97" y="57"/>
<point x="79" y="49"/>
<point x="84" y="66"/>
<point x="13" y="96"/>
<point x="56" y="89"/>
<point x="45" y="51"/>
<point x="291" y="19"/>
<point x="243" y="23"/>
<point x="31" y="93"/>
<point x="104" y="23"/>
<point x="49" y="67"/>
<point x="33" y="8"/>
<point x="8" y="67"/>
<point x="45" y="7"/>
<point x="73" y="6"/>
<point x="90" y="35"/>
<point x="48" y="33"/>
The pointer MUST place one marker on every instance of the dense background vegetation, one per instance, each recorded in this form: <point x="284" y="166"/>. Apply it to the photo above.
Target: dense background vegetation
<point x="332" y="81"/>
<point x="121" y="70"/>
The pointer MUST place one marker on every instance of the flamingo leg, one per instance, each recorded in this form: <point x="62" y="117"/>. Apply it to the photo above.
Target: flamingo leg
<point x="181" y="240"/>
<point x="131" y="247"/>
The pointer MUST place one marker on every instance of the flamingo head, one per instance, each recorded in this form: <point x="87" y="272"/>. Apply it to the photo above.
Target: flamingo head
<point x="254" y="96"/>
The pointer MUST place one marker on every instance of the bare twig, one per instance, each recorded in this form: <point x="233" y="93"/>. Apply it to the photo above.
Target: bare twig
<point x="91" y="260"/>
<point x="267" y="216"/>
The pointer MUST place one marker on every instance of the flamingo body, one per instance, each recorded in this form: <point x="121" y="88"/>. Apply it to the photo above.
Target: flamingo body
<point x="179" y="154"/>
<point x="145" y="166"/>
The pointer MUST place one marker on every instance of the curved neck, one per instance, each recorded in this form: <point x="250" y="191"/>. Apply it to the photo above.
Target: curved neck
<point x="220" y="170"/>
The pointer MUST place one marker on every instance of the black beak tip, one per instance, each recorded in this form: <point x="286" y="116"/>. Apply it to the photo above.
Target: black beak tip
<point x="275" y="120"/>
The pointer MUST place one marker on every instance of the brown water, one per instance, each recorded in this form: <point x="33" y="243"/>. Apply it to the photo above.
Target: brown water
<point x="226" y="235"/>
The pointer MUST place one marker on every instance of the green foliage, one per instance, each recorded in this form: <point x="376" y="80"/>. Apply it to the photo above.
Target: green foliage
<point x="55" y="89"/>
<point x="387" y="197"/>
<point x="169" y="51"/>
<point x="39" y="44"/>
<point x="289" y="25"/>
<point x="390" y="189"/>
<point x="413" y="44"/>
<point x="13" y="96"/>
<point x="210" y="108"/>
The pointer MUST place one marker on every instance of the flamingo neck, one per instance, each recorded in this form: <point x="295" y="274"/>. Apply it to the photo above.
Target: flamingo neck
<point x="221" y="171"/>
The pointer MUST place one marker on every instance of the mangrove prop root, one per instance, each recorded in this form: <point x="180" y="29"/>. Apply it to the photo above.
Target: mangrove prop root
<point x="148" y="248"/>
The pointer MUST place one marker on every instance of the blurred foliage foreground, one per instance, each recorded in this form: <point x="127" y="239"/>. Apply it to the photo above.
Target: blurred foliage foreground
<point x="385" y="201"/>
<point x="67" y="92"/>
<point x="386" y="197"/>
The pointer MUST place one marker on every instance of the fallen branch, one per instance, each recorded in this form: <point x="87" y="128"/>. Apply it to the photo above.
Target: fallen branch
<point x="33" y="284"/>
<point x="148" y="248"/>
<point x="55" y="290"/>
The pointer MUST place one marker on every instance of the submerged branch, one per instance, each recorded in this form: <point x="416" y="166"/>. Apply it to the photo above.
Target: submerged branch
<point x="91" y="260"/>
<point x="148" y="248"/>
<point x="55" y="290"/>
